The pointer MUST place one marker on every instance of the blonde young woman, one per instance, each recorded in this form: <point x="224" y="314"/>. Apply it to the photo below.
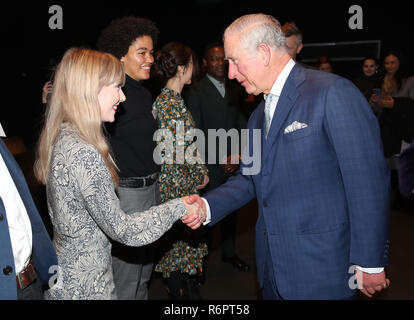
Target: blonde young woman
<point x="80" y="176"/>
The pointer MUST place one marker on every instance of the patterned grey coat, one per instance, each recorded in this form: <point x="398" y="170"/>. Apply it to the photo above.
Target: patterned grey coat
<point x="85" y="213"/>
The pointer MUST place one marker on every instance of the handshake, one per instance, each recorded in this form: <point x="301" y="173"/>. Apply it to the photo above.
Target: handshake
<point x="196" y="211"/>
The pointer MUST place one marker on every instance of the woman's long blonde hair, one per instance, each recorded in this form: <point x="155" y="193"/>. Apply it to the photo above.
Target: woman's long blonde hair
<point x="78" y="80"/>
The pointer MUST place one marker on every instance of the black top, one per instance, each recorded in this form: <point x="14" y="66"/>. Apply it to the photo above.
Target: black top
<point x="366" y="83"/>
<point x="131" y="135"/>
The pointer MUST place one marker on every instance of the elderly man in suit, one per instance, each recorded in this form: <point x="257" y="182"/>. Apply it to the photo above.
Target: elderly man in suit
<point x="323" y="186"/>
<point x="27" y="256"/>
<point x="215" y="104"/>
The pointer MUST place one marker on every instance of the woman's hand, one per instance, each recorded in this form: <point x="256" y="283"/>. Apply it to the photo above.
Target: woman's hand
<point x="386" y="102"/>
<point x="47" y="88"/>
<point x="196" y="211"/>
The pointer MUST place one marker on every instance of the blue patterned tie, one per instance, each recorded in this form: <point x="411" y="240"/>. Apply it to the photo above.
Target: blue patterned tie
<point x="268" y="98"/>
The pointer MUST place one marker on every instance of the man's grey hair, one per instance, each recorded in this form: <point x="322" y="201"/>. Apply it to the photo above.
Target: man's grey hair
<point x="255" y="29"/>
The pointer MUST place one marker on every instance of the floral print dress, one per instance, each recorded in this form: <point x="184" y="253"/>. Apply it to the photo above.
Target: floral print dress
<point x="181" y="172"/>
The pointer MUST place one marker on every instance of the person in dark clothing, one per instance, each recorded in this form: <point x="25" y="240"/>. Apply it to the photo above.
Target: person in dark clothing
<point x="395" y="102"/>
<point x="132" y="40"/>
<point x="406" y="171"/>
<point x="367" y="81"/>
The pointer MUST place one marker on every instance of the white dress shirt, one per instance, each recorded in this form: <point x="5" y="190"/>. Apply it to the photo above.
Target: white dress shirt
<point x="18" y="221"/>
<point x="277" y="87"/>
<point x="276" y="91"/>
<point x="2" y="134"/>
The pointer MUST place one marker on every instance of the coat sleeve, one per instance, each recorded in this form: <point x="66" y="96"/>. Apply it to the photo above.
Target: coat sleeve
<point x="98" y="193"/>
<point x="354" y="135"/>
<point x="239" y="189"/>
<point x="406" y="171"/>
<point x="404" y="117"/>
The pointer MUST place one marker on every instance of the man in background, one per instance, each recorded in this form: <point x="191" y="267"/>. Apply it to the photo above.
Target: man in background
<point x="215" y="103"/>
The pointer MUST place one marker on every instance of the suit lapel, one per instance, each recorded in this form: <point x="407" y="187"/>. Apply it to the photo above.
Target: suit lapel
<point x="286" y="101"/>
<point x="211" y="87"/>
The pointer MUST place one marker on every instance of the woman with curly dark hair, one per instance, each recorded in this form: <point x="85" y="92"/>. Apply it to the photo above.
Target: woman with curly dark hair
<point x="175" y="66"/>
<point x="131" y="40"/>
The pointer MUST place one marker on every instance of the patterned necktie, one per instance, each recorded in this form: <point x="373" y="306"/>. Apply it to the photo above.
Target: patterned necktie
<point x="268" y="103"/>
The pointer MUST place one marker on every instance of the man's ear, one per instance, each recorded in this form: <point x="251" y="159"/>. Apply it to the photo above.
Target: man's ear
<point x="264" y="52"/>
<point x="204" y="62"/>
<point x="299" y="49"/>
<point x="122" y="59"/>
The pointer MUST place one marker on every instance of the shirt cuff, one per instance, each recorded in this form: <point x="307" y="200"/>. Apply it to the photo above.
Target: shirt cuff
<point x="208" y="212"/>
<point x="370" y="270"/>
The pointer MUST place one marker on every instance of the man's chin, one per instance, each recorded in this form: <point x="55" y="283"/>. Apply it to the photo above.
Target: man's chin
<point x="250" y="90"/>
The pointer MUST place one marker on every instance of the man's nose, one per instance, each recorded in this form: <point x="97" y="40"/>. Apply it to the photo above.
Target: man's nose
<point x="232" y="71"/>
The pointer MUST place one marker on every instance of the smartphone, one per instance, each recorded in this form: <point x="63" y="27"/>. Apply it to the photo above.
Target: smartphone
<point x="377" y="91"/>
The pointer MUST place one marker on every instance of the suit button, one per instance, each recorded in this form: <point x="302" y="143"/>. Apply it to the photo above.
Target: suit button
<point x="7" y="270"/>
<point x="1" y="217"/>
<point x="264" y="204"/>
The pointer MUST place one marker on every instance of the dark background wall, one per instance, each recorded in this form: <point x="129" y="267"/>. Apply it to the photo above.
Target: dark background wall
<point x="28" y="44"/>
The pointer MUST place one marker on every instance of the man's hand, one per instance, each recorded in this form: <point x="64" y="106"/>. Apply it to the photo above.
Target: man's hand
<point x="369" y="283"/>
<point x="205" y="182"/>
<point x="232" y="163"/>
<point x="196" y="211"/>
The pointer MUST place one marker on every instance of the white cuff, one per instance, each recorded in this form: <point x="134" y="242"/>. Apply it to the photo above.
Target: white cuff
<point x="370" y="270"/>
<point x="208" y="212"/>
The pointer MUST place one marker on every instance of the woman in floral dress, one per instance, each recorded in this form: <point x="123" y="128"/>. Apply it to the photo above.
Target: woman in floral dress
<point x="182" y="170"/>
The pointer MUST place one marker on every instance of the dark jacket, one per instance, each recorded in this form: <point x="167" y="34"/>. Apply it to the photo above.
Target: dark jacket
<point x="397" y="124"/>
<point x="406" y="171"/>
<point x="43" y="252"/>
<point x="211" y="111"/>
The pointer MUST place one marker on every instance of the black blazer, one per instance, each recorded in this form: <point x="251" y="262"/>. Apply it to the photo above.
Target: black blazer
<point x="397" y="124"/>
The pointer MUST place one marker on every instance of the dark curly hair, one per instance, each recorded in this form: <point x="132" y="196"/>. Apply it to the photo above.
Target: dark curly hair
<point x="172" y="55"/>
<point x="122" y="32"/>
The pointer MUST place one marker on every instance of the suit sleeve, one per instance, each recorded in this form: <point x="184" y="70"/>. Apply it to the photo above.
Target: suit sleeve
<point x="354" y="134"/>
<point x="236" y="192"/>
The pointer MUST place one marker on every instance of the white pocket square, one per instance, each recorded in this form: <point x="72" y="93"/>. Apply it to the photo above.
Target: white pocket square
<point x="295" y="126"/>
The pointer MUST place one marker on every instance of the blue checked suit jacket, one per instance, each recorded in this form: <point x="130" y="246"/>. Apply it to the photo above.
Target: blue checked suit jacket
<point x="322" y="191"/>
<point x="43" y="252"/>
